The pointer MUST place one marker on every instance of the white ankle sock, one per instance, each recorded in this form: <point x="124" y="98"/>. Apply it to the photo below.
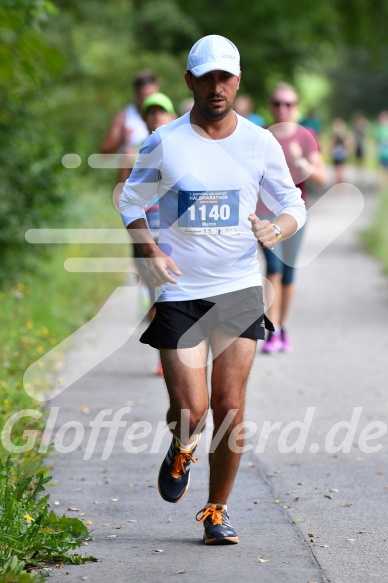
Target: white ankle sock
<point x="189" y="445"/>
<point x="216" y="504"/>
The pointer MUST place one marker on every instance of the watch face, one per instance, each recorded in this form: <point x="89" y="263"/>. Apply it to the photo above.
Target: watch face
<point x="277" y="230"/>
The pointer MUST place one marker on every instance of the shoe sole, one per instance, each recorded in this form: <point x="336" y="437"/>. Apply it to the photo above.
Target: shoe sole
<point x="228" y="540"/>
<point x="173" y="501"/>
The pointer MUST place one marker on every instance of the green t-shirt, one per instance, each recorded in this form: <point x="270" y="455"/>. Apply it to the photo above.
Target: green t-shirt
<point x="381" y="134"/>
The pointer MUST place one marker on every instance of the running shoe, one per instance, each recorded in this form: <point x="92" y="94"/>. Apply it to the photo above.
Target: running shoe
<point x="218" y="530"/>
<point x="174" y="473"/>
<point x="286" y="344"/>
<point x="272" y="344"/>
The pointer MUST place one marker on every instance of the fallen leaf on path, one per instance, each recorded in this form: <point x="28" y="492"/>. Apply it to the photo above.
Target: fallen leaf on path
<point x="277" y="501"/>
<point x="179" y="572"/>
<point x="335" y="490"/>
<point x="112" y="536"/>
<point x="73" y="509"/>
<point x="158" y="550"/>
<point x="262" y="560"/>
<point x="131" y="520"/>
<point x="84" y="409"/>
<point x="89" y="522"/>
<point x="346" y="505"/>
<point x="114" y="499"/>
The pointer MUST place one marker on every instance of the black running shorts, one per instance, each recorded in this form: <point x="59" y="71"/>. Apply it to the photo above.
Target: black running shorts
<point x="186" y="323"/>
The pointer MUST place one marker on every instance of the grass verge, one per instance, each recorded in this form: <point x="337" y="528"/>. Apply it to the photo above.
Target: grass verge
<point x="375" y="237"/>
<point x="36" y="313"/>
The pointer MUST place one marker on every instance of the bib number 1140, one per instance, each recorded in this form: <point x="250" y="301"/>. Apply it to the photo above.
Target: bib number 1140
<point x="215" y="213"/>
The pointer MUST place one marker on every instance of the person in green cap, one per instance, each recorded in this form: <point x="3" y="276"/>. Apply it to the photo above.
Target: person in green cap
<point x="157" y="110"/>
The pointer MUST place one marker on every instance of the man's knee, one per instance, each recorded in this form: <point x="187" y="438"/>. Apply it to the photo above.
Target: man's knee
<point x="230" y="411"/>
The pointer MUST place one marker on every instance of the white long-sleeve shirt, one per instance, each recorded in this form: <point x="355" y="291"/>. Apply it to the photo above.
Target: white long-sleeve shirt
<point x="206" y="190"/>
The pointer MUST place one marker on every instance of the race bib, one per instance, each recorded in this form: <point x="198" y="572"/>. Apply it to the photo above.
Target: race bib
<point x="210" y="212"/>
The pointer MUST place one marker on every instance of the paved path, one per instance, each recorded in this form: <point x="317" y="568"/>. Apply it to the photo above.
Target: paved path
<point x="315" y="516"/>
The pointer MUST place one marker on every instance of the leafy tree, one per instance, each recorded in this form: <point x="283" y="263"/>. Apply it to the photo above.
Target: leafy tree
<point x="359" y="83"/>
<point x="29" y="154"/>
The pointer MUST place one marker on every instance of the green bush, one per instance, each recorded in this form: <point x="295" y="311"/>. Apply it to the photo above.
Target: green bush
<point x="30" y="157"/>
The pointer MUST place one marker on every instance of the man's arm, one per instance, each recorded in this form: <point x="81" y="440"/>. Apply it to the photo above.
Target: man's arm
<point x="138" y="191"/>
<point x="159" y="264"/>
<point x="116" y="136"/>
<point x="278" y="191"/>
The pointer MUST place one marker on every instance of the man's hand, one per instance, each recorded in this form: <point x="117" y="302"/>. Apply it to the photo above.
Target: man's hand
<point x="159" y="268"/>
<point x="263" y="231"/>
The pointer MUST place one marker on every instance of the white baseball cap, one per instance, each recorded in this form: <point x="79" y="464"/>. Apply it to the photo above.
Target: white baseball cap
<point x="213" y="53"/>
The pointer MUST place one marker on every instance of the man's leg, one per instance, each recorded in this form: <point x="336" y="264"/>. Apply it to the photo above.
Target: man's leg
<point x="185" y="376"/>
<point x="274" y="283"/>
<point x="229" y="378"/>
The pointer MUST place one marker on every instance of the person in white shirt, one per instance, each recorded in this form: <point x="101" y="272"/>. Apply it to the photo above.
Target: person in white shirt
<point x="207" y="168"/>
<point x="128" y="129"/>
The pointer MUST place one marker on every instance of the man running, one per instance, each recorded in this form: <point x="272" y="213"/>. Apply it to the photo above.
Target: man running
<point x="207" y="168"/>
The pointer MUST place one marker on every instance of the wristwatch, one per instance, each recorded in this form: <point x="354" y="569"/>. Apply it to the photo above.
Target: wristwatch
<point x="277" y="231"/>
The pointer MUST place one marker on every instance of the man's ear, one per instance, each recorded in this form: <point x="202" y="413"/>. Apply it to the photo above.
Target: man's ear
<point x="188" y="80"/>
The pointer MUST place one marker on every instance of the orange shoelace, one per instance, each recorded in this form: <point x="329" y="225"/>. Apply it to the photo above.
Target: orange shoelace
<point x="212" y="511"/>
<point x="179" y="463"/>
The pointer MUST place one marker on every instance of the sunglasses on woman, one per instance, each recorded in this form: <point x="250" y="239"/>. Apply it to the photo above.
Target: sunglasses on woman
<point x="276" y="103"/>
